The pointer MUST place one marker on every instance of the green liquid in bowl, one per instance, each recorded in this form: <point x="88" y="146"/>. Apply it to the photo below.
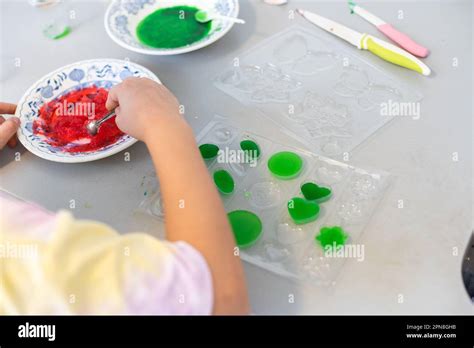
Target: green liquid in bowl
<point x="172" y="27"/>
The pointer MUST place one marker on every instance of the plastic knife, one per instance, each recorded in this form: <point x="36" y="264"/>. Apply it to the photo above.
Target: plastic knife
<point x="397" y="36"/>
<point x="383" y="49"/>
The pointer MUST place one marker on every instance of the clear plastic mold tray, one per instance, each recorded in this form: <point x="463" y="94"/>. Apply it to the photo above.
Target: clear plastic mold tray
<point x="284" y="247"/>
<point x="315" y="88"/>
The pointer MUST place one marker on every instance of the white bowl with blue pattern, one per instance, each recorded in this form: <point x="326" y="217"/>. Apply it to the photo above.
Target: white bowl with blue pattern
<point x="95" y="72"/>
<point x="122" y="18"/>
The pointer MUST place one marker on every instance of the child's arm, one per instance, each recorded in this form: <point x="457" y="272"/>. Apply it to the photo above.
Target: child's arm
<point x="194" y="211"/>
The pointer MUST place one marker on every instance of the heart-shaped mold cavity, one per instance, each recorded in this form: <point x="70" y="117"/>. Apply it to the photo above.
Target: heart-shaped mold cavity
<point x="251" y="148"/>
<point x="331" y="237"/>
<point x="313" y="192"/>
<point x="247" y="227"/>
<point x="285" y="165"/>
<point x="209" y="151"/>
<point x="302" y="211"/>
<point x="224" y="181"/>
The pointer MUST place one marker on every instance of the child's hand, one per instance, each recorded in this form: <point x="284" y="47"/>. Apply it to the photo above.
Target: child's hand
<point x="143" y="106"/>
<point x="9" y="127"/>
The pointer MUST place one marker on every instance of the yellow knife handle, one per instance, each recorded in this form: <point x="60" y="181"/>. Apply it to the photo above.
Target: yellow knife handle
<point x="393" y="54"/>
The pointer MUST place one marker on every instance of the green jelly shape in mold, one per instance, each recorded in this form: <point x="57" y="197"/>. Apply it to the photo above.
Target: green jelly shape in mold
<point x="251" y="148"/>
<point x="331" y="236"/>
<point x="285" y="165"/>
<point x="224" y="181"/>
<point x="208" y="151"/>
<point x="302" y="211"/>
<point x="247" y="227"/>
<point x="313" y="192"/>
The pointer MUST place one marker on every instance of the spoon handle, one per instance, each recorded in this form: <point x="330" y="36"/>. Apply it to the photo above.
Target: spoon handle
<point x="231" y="19"/>
<point x="106" y="117"/>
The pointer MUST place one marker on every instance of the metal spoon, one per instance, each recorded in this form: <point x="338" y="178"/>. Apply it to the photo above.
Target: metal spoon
<point x="93" y="126"/>
<point x="203" y="17"/>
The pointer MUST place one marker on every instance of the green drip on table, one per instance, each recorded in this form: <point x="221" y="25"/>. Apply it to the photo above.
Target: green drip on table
<point x="331" y="237"/>
<point x="209" y="151"/>
<point x="285" y="165"/>
<point x="247" y="227"/>
<point x="172" y="27"/>
<point x="56" y="31"/>
<point x="224" y="181"/>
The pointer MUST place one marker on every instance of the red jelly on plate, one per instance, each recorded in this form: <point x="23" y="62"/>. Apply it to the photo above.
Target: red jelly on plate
<point x="62" y="121"/>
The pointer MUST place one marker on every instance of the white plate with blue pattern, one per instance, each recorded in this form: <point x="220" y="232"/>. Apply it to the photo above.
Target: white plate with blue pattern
<point x="122" y="17"/>
<point x="102" y="73"/>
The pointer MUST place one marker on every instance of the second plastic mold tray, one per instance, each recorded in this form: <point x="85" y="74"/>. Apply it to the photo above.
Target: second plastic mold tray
<point x="320" y="92"/>
<point x="284" y="246"/>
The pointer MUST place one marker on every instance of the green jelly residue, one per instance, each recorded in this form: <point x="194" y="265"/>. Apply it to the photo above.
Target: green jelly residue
<point x="251" y="149"/>
<point x="313" y="192"/>
<point x="285" y="165"/>
<point x="208" y="151"/>
<point x="247" y="227"/>
<point x="224" y="181"/>
<point x="57" y="31"/>
<point x="172" y="27"/>
<point x="302" y="211"/>
<point x="351" y="4"/>
<point x="331" y="237"/>
<point x="201" y="16"/>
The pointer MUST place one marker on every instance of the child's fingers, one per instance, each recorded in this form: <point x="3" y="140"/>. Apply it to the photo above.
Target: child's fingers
<point x="118" y="119"/>
<point x="12" y="142"/>
<point x="7" y="108"/>
<point x="112" y="99"/>
<point x="8" y="129"/>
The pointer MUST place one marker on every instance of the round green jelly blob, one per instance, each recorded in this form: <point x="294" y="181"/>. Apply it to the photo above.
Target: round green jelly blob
<point x="285" y="165"/>
<point x="247" y="227"/>
<point x="313" y="192"/>
<point x="331" y="236"/>
<point x="209" y="151"/>
<point x="172" y="27"/>
<point x="302" y="211"/>
<point x="224" y="181"/>
<point x="251" y="148"/>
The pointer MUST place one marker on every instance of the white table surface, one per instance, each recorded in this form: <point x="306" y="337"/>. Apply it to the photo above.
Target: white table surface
<point x="409" y="252"/>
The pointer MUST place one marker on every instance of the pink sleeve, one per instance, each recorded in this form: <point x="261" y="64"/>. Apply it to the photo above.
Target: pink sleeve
<point x="183" y="286"/>
<point x="25" y="218"/>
